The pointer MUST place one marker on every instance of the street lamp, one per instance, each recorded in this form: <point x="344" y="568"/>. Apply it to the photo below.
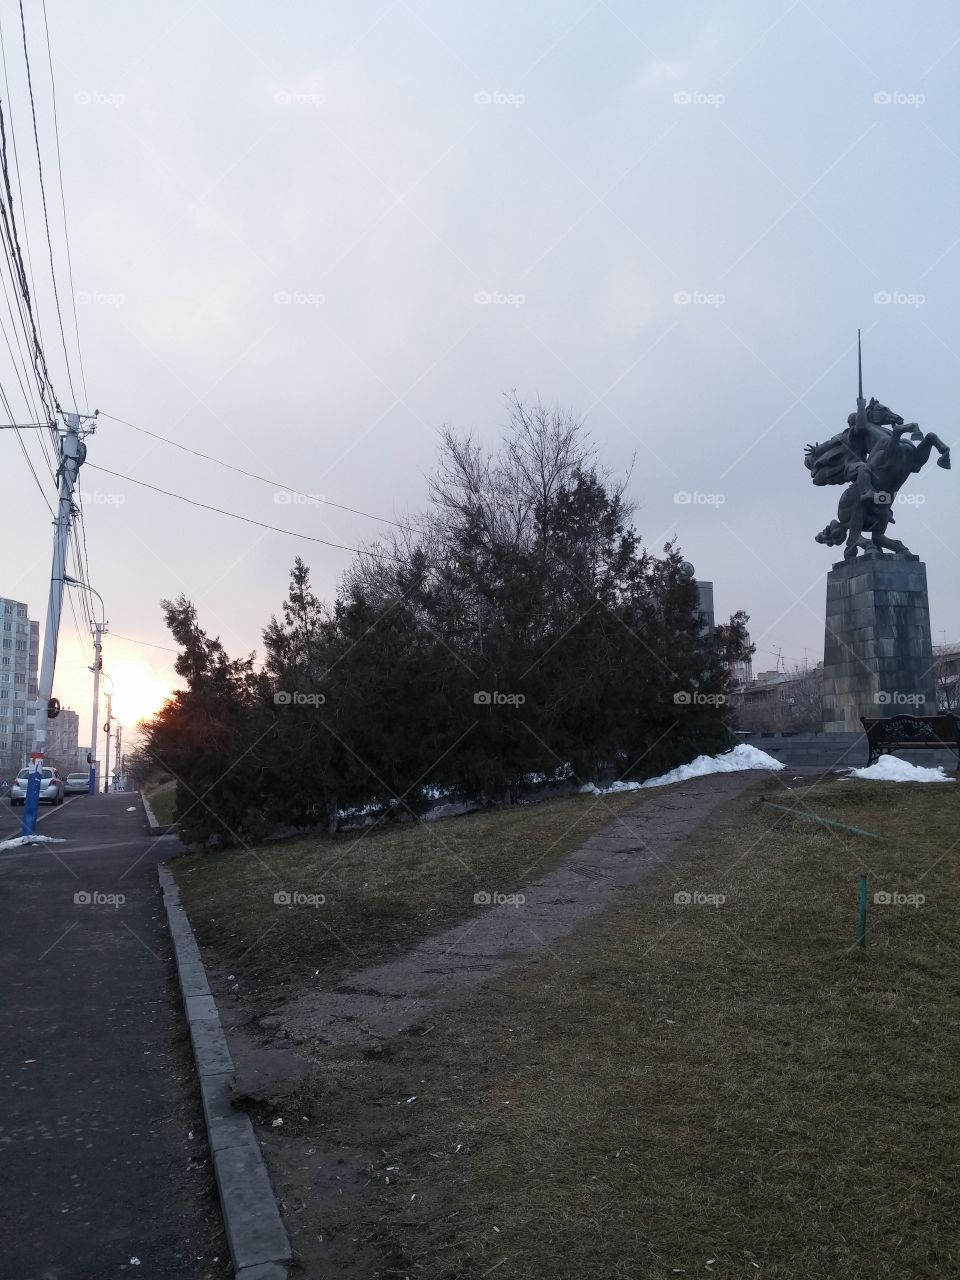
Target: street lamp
<point x="99" y="629"/>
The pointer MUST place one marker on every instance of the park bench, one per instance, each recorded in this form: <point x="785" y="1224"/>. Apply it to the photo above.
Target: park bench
<point x="915" y="733"/>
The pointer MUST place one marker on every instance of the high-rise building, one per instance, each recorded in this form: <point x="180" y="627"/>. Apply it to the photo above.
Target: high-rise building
<point x="19" y="658"/>
<point x="62" y="748"/>
<point x="705" y="594"/>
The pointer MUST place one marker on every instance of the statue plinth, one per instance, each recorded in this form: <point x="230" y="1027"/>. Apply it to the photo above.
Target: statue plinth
<point x="878" y="658"/>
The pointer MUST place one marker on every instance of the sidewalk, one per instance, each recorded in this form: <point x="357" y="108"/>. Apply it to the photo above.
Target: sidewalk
<point x="106" y="1171"/>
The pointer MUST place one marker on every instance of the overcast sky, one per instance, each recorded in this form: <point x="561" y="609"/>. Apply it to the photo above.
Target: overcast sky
<point x="284" y="220"/>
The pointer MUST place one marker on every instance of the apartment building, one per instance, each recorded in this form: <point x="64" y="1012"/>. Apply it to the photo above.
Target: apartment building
<point x="19" y="659"/>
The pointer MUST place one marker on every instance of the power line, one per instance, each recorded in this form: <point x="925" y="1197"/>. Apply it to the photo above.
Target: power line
<point x="63" y="205"/>
<point x="115" y="635"/>
<point x="252" y="475"/>
<point x="43" y="197"/>
<point x="14" y="255"/>
<point x="16" y="161"/>
<point x="233" y="515"/>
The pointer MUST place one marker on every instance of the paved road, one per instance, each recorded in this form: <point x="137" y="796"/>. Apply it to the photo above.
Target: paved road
<point x="97" y="1096"/>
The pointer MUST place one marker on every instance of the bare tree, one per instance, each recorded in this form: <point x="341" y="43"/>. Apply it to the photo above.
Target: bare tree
<point x="946" y="675"/>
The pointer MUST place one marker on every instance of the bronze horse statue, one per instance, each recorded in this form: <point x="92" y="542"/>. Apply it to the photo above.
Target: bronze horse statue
<point x="873" y="459"/>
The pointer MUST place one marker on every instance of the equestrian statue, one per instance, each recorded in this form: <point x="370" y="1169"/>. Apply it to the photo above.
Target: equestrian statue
<point x="872" y="458"/>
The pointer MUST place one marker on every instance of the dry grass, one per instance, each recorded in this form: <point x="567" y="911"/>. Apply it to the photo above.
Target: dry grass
<point x="732" y="1090"/>
<point x="162" y="799"/>
<point x="382" y="888"/>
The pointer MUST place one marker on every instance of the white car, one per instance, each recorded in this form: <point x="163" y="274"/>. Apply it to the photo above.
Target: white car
<point x="77" y="784"/>
<point x="51" y="787"/>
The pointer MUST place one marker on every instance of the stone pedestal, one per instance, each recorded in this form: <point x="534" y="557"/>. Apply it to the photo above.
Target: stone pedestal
<point x="877" y="658"/>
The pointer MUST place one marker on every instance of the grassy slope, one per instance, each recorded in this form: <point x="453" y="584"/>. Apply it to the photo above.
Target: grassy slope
<point x="734" y="1090"/>
<point x="380" y="884"/>
<point x="162" y="800"/>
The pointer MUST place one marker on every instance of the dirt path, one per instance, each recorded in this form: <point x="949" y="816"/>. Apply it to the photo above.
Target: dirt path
<point x="374" y="1004"/>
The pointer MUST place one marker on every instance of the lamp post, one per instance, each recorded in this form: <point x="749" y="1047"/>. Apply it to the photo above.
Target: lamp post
<point x="106" y="729"/>
<point x="99" y="630"/>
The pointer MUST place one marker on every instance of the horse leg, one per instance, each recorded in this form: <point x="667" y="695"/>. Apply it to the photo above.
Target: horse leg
<point x="881" y="541"/>
<point x="941" y="448"/>
<point x="922" y="451"/>
<point x="853" y="509"/>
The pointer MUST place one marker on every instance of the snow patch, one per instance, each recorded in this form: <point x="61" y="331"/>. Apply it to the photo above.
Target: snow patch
<point x="20" y="840"/>
<point x="890" y="769"/>
<point x="741" y="757"/>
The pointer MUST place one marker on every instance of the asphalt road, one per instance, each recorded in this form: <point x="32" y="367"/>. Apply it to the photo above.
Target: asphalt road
<point x="102" y="1146"/>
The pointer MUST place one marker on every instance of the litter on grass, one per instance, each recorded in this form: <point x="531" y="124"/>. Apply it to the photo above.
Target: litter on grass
<point x="890" y="769"/>
<point x="741" y="757"/>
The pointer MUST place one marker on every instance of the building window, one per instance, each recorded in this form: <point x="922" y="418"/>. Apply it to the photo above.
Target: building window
<point x="21" y="610"/>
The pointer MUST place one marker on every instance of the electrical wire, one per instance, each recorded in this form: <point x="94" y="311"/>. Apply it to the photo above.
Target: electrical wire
<point x="115" y="635"/>
<point x="63" y="205"/>
<point x="16" y="161"/>
<point x="233" y="515"/>
<point x="43" y="197"/>
<point x="252" y="475"/>
<point x="14" y="255"/>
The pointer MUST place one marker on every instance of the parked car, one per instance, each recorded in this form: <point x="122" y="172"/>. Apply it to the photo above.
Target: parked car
<point x="51" y="787"/>
<point x="77" y="784"/>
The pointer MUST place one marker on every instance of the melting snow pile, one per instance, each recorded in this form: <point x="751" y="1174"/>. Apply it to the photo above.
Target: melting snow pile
<point x="741" y="757"/>
<point x="890" y="769"/>
<point x="15" y="844"/>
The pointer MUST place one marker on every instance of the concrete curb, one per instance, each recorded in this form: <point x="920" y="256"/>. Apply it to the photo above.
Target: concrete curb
<point x="259" y="1245"/>
<point x="154" y="827"/>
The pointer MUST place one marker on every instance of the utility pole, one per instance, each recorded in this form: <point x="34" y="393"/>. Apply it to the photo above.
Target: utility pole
<point x="118" y="767"/>
<point x="106" y="758"/>
<point x="99" y="630"/>
<point x="72" y="454"/>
